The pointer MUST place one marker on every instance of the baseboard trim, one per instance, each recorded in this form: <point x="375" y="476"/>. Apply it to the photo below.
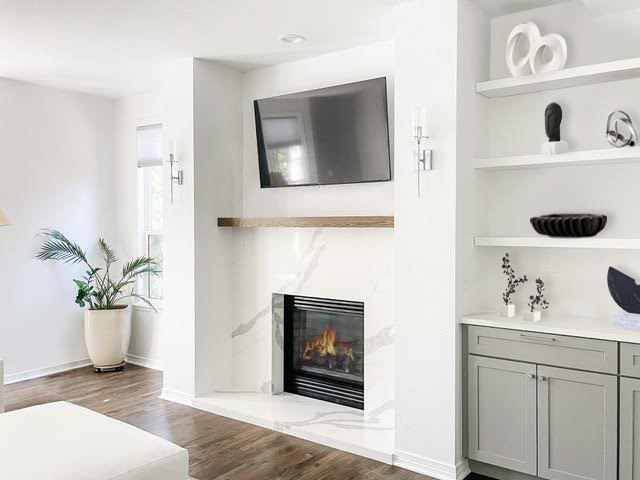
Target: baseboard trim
<point x="431" y="468"/>
<point x="463" y="470"/>
<point x="146" y="362"/>
<point x="43" y="372"/>
<point x="177" y="397"/>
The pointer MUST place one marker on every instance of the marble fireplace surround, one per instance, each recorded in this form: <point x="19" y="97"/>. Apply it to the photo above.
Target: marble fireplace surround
<point x="345" y="264"/>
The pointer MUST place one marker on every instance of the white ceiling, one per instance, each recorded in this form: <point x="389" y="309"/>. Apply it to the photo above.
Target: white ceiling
<point x="502" y="7"/>
<point x="117" y="47"/>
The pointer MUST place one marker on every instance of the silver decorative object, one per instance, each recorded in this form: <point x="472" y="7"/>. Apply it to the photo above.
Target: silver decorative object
<point x="620" y="130"/>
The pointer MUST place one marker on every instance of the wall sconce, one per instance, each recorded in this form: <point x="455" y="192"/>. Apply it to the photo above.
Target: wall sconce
<point x="178" y="177"/>
<point x="422" y="155"/>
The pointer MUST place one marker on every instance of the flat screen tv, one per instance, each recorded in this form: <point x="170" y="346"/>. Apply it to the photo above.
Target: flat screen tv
<point x="327" y="136"/>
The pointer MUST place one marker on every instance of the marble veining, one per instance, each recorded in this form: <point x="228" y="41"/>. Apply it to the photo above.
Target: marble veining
<point x="389" y="405"/>
<point x="243" y="328"/>
<point x="351" y="420"/>
<point x="246" y="327"/>
<point x="381" y="339"/>
<point x="278" y="320"/>
<point x="338" y="420"/>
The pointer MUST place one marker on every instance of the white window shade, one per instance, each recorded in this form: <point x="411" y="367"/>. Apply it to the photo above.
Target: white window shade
<point x="282" y="132"/>
<point x="149" y="146"/>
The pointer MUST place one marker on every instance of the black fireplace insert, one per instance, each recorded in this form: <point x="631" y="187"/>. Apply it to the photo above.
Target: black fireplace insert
<point x="324" y="349"/>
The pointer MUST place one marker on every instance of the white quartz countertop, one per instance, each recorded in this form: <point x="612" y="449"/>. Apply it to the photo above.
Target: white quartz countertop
<point x="572" y="325"/>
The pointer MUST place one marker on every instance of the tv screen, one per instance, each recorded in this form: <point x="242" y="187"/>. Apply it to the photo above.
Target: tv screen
<point x="326" y="136"/>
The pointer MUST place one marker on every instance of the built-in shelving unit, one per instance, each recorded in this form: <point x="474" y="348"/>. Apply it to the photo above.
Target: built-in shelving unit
<point x="309" y="222"/>
<point x="554" y="242"/>
<point x="571" y="77"/>
<point x="587" y="157"/>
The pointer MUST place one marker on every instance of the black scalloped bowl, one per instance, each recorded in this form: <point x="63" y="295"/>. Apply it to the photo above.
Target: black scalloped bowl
<point x="569" y="225"/>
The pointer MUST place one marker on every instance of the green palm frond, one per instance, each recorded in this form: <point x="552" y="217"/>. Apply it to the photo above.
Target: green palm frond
<point x="58" y="247"/>
<point x="108" y="254"/>
<point x="139" y="266"/>
<point x="141" y="298"/>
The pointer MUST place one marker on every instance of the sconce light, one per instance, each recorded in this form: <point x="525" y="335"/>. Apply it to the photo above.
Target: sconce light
<point x="422" y="155"/>
<point x="178" y="177"/>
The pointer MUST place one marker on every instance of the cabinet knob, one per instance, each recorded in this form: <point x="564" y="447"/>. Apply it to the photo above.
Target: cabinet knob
<point x="532" y="375"/>
<point x="543" y="378"/>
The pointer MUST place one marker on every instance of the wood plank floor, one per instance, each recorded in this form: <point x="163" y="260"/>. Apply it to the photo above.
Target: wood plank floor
<point x="219" y="448"/>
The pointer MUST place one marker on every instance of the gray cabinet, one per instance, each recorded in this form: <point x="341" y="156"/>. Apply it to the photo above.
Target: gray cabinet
<point x="629" y="429"/>
<point x="547" y="405"/>
<point x="502" y="413"/>
<point x="577" y="425"/>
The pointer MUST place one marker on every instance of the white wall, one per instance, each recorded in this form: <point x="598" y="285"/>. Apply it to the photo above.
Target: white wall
<point x="202" y="118"/>
<point x="472" y="215"/>
<point x="130" y="113"/>
<point x="425" y="240"/>
<point x="218" y="169"/>
<point x="516" y="127"/>
<point x="179" y="234"/>
<point x="56" y="170"/>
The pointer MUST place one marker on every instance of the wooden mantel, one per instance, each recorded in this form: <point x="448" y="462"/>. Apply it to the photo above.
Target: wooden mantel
<point x="309" y="222"/>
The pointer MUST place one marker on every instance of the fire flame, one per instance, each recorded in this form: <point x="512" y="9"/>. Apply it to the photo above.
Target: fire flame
<point x="326" y="344"/>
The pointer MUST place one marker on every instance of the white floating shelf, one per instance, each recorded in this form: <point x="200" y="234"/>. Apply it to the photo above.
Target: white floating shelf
<point x="571" y="77"/>
<point x="587" y="157"/>
<point x="552" y="242"/>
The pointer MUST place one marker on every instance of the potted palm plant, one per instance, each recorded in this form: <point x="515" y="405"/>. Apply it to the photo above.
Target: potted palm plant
<point x="107" y="321"/>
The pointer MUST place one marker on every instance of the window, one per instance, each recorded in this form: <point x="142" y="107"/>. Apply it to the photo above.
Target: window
<point x="151" y="213"/>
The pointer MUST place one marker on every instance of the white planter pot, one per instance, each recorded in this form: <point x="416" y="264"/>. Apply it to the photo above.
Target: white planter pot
<point x="507" y="311"/>
<point x="107" y="334"/>
<point x="533" y="316"/>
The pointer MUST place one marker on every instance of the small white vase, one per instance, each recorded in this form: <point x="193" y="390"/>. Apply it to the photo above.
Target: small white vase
<point x="507" y="311"/>
<point x="534" y="316"/>
<point x="107" y="334"/>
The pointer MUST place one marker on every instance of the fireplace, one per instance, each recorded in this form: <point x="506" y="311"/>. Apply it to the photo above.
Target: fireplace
<point x="324" y="349"/>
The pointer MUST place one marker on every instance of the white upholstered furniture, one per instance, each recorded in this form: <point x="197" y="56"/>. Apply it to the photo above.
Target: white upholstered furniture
<point x="61" y="441"/>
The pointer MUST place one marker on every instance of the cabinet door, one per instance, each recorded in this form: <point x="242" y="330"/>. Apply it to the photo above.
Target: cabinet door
<point x="577" y="425"/>
<point x="502" y="413"/>
<point x="629" y="429"/>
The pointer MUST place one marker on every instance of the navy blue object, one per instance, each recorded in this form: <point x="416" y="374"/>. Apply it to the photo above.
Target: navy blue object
<point x="624" y="290"/>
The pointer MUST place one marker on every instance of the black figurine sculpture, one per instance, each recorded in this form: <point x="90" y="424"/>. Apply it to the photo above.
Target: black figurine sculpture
<point x="552" y="121"/>
<point x="624" y="290"/>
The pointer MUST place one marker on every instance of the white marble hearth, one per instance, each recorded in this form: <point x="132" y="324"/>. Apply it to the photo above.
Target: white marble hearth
<point x="329" y="424"/>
